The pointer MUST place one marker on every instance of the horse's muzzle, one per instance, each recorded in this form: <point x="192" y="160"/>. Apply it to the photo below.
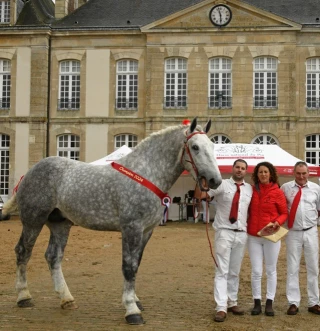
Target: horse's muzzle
<point x="214" y="183"/>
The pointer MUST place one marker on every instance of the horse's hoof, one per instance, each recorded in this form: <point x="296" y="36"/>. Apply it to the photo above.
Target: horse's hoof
<point x="139" y="305"/>
<point x="70" y="305"/>
<point x="25" y="303"/>
<point x="135" y="319"/>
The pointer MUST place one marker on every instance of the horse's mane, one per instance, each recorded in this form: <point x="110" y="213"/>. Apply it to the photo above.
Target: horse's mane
<point x="164" y="133"/>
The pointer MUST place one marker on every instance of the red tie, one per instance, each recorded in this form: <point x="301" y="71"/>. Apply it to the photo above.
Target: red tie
<point x="294" y="208"/>
<point x="235" y="205"/>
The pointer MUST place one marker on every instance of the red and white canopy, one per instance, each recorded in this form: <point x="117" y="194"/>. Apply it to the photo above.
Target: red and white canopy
<point x="284" y="162"/>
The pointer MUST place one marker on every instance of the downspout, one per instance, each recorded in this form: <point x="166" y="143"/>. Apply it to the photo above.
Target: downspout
<point x="48" y="97"/>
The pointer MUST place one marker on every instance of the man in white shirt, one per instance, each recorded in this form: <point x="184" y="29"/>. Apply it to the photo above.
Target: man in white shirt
<point x="302" y="235"/>
<point x="230" y="239"/>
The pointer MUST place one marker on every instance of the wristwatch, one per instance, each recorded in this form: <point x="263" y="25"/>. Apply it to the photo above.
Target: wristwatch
<point x="220" y="15"/>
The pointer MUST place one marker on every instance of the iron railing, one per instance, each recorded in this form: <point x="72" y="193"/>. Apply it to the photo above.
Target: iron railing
<point x="175" y="102"/>
<point x="127" y="103"/>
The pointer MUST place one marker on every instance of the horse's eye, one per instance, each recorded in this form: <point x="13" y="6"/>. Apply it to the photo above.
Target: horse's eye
<point x="195" y="147"/>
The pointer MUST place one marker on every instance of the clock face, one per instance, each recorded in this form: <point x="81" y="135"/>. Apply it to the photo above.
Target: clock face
<point x="220" y="15"/>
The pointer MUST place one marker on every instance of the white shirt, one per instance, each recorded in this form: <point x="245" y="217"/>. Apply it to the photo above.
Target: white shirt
<point x="307" y="212"/>
<point x="223" y="197"/>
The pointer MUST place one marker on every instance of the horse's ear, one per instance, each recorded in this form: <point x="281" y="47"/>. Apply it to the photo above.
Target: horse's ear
<point x="193" y="125"/>
<point x="207" y="127"/>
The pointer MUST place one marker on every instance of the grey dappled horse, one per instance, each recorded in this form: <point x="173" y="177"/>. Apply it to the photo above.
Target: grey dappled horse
<point x="59" y="192"/>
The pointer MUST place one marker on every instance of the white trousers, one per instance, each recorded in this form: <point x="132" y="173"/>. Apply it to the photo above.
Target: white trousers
<point x="261" y="249"/>
<point x="308" y="242"/>
<point x="229" y="251"/>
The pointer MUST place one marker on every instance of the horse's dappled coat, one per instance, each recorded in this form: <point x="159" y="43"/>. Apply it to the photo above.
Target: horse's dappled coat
<point x="101" y="198"/>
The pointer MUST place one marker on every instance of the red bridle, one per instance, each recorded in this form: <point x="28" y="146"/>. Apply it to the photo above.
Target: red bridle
<point x="187" y="150"/>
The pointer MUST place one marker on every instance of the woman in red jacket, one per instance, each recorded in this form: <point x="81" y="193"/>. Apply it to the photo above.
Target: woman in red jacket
<point x="268" y="204"/>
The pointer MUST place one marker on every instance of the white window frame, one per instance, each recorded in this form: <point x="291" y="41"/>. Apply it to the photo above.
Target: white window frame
<point x="4" y="12"/>
<point x="131" y="140"/>
<point x="265" y="139"/>
<point x="68" y="145"/>
<point x="265" y="82"/>
<point x="175" y="83"/>
<point x="220" y="83"/>
<point x="127" y="85"/>
<point x="220" y="139"/>
<point x="5" y="83"/>
<point x="4" y="164"/>
<point x="312" y="149"/>
<point x="313" y="83"/>
<point x="69" y="85"/>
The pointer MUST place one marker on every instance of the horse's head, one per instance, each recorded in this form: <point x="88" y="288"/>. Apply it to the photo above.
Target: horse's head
<point x="198" y="156"/>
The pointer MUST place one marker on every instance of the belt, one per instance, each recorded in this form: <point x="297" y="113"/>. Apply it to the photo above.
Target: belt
<point x="307" y="228"/>
<point x="234" y="230"/>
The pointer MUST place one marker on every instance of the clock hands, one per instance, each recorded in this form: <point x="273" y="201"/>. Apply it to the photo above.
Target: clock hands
<point x="219" y="10"/>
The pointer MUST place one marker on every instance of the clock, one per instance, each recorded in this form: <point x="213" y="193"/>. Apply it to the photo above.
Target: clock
<point x="220" y="15"/>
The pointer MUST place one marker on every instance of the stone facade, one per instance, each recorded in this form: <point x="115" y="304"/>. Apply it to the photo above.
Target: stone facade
<point x="35" y="54"/>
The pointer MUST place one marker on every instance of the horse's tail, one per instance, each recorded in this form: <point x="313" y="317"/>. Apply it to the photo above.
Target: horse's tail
<point x="9" y="207"/>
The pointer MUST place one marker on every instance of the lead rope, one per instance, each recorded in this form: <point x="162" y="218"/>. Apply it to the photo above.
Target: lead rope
<point x="207" y="231"/>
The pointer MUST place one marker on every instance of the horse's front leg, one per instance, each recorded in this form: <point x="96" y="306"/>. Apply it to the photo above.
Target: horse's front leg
<point x="133" y="244"/>
<point x="145" y="239"/>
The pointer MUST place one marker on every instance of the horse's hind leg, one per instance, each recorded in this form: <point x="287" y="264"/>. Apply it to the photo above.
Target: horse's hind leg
<point x="23" y="251"/>
<point x="59" y="234"/>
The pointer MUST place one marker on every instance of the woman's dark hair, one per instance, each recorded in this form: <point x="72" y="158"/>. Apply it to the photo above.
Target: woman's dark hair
<point x="273" y="172"/>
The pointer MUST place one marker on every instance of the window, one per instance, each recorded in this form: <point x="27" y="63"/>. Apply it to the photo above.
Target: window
<point x="265" y="139"/>
<point x="265" y="82"/>
<point x="69" y="85"/>
<point x="175" y="94"/>
<point x="4" y="164"/>
<point x="5" y="83"/>
<point x="4" y="11"/>
<point x="220" y="139"/>
<point x="130" y="140"/>
<point x="127" y="84"/>
<point x="69" y="146"/>
<point x="220" y="83"/>
<point x="313" y="83"/>
<point x="312" y="149"/>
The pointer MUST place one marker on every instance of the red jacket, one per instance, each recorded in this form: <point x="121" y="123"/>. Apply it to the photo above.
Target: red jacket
<point x="267" y="205"/>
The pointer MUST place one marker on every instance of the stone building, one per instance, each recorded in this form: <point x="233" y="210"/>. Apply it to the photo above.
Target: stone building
<point x="80" y="78"/>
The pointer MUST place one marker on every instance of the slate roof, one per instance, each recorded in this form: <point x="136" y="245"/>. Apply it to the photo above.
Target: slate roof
<point x="118" y="13"/>
<point x="133" y="14"/>
<point x="299" y="11"/>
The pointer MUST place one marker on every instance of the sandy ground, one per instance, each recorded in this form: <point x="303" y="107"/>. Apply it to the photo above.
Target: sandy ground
<point x="174" y="284"/>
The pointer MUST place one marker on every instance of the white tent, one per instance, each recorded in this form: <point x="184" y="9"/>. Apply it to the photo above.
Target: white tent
<point x="226" y="154"/>
<point x="117" y="154"/>
<point x="284" y="162"/>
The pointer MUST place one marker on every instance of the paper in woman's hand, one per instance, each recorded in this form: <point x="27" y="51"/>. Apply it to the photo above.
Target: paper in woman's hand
<point x="272" y="232"/>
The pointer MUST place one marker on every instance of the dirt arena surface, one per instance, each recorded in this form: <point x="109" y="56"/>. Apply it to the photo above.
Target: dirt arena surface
<point x="174" y="284"/>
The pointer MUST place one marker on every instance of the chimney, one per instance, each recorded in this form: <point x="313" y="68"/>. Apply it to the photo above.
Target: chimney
<point x="66" y="7"/>
<point x="61" y="8"/>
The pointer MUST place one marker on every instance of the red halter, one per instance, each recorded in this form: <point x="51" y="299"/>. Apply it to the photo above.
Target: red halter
<point x="187" y="150"/>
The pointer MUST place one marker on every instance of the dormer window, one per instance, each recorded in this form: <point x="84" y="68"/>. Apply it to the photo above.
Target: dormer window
<point x="4" y="11"/>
